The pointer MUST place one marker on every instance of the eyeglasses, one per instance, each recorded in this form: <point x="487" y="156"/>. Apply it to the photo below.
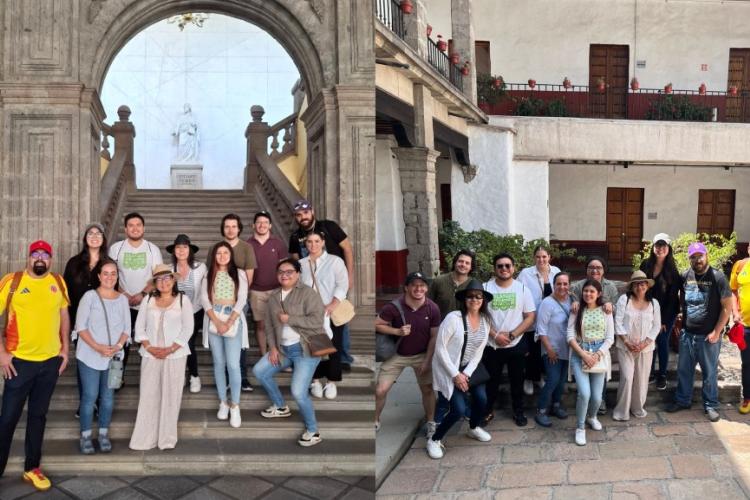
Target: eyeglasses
<point x="289" y="272"/>
<point x="94" y="234"/>
<point x="503" y="266"/>
<point x="40" y="254"/>
<point x="595" y="268"/>
<point x="163" y="279"/>
<point x="474" y="297"/>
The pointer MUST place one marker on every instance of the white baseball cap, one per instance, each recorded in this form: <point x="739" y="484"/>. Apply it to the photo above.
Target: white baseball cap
<point x="662" y="237"/>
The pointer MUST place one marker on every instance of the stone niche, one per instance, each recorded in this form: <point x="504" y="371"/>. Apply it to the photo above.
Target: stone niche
<point x="187" y="176"/>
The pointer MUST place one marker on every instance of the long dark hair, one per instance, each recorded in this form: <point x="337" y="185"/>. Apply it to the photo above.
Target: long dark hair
<point x="669" y="269"/>
<point x="190" y="259"/>
<point x="81" y="271"/>
<point x="213" y="269"/>
<point x="484" y="310"/>
<point x="582" y="305"/>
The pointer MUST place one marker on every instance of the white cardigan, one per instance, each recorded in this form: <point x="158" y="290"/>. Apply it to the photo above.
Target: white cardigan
<point x="178" y="325"/>
<point x="650" y="322"/>
<point x="239" y="308"/>
<point x="445" y="361"/>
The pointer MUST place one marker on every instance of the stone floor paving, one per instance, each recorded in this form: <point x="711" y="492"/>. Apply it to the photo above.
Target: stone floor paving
<point x="675" y="456"/>
<point x="193" y="488"/>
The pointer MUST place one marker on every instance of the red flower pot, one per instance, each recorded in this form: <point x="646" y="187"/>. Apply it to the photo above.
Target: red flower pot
<point x="732" y="90"/>
<point x="635" y="84"/>
<point x="567" y="84"/>
<point x="442" y="45"/>
<point x="702" y="89"/>
<point x="406" y="6"/>
<point x="455" y="57"/>
<point x="668" y="88"/>
<point x="497" y="83"/>
<point x="465" y="70"/>
<point x="601" y="86"/>
<point x="532" y="83"/>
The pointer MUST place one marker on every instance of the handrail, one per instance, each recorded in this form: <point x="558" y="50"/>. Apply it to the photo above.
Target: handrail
<point x="289" y="146"/>
<point x="119" y="178"/>
<point x="276" y="194"/>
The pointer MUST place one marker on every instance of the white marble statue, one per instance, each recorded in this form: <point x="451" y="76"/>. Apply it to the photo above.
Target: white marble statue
<point x="187" y="138"/>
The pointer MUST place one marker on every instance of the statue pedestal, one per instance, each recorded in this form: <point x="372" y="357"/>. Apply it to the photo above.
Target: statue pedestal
<point x="187" y="176"/>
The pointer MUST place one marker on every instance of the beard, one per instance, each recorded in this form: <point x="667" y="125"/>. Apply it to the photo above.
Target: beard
<point x="307" y="224"/>
<point x="39" y="268"/>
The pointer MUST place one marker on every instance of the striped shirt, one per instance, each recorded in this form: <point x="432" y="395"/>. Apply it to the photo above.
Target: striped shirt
<point x="475" y="339"/>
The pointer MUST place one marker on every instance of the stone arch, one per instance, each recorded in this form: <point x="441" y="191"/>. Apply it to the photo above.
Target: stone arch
<point x="272" y="17"/>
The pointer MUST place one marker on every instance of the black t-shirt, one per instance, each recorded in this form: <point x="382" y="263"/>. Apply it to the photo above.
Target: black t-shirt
<point x="332" y="231"/>
<point x="702" y="296"/>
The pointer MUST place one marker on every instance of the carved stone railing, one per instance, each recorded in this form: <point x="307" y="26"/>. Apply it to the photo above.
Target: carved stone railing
<point x="119" y="178"/>
<point x="274" y="192"/>
<point x="287" y="129"/>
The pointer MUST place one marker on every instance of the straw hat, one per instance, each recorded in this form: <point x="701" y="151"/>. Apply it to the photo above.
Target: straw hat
<point x="639" y="276"/>
<point x="161" y="270"/>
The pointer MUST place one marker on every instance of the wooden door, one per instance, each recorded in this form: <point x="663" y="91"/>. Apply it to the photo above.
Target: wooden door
<point x="738" y="107"/>
<point x="482" y="57"/>
<point x="610" y="63"/>
<point x="624" y="224"/>
<point x="716" y="211"/>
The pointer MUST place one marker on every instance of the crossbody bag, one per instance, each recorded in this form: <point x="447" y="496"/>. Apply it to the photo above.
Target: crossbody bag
<point x="114" y="375"/>
<point x="480" y="375"/>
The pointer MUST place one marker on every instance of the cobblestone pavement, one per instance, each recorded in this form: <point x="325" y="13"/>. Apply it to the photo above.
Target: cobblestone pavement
<point x="675" y="456"/>
<point x="194" y="488"/>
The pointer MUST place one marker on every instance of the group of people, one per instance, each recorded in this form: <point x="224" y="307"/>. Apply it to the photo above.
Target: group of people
<point x="112" y="297"/>
<point x="458" y="334"/>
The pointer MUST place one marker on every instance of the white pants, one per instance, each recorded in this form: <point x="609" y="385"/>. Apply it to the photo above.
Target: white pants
<point x="633" y="388"/>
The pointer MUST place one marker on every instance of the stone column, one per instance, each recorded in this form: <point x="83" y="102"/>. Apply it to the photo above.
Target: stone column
<point x="417" y="169"/>
<point x="463" y="43"/>
<point x="424" y="134"/>
<point x="415" y="25"/>
<point x="256" y="134"/>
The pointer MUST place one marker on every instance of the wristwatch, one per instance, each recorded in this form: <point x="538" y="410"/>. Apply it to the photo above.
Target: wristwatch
<point x="512" y="337"/>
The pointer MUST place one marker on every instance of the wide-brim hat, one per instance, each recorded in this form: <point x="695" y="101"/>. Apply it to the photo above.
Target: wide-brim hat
<point x="182" y="239"/>
<point x="162" y="270"/>
<point x="639" y="276"/>
<point x="473" y="286"/>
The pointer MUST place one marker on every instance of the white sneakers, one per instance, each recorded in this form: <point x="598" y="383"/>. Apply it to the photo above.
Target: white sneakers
<point x="274" y="411"/>
<point x="435" y="449"/>
<point x="316" y="389"/>
<point x="594" y="423"/>
<point x="235" y="420"/>
<point x="479" y="434"/>
<point x="309" y="438"/>
<point x="223" y="412"/>
<point x="581" y="437"/>
<point x="528" y="387"/>
<point x="329" y="391"/>
<point x="195" y="384"/>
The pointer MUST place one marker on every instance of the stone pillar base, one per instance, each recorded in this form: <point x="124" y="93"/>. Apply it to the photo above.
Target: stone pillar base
<point x="186" y="176"/>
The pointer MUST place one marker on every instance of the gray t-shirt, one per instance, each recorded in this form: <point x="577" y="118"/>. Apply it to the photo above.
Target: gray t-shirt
<point x="90" y="316"/>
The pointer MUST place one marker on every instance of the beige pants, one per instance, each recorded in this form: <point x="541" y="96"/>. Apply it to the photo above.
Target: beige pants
<point x="633" y="388"/>
<point x="158" y="404"/>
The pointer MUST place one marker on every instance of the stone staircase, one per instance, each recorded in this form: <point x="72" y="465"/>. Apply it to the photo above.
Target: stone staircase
<point x="207" y="445"/>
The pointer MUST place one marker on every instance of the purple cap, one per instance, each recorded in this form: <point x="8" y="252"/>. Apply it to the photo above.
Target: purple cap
<point x="302" y="205"/>
<point x="697" y="247"/>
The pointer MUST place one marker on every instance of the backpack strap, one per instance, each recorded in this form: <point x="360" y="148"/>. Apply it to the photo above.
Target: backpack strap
<point x="13" y="287"/>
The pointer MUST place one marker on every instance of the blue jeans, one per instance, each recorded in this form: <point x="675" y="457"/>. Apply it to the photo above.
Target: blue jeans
<point x="696" y="349"/>
<point x="304" y="367"/>
<point x="457" y="404"/>
<point x="225" y="352"/>
<point x="662" y="349"/>
<point x="589" y="386"/>
<point x="346" y="346"/>
<point x="94" y="385"/>
<point x="555" y="384"/>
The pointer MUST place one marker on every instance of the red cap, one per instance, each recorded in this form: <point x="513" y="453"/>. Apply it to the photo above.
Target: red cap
<point x="40" y="245"/>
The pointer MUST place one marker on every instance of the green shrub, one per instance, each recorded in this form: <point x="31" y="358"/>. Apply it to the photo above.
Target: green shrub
<point x="487" y="244"/>
<point x="720" y="250"/>
<point x="678" y="108"/>
<point x="557" y="108"/>
<point x="487" y="92"/>
<point x="529" y="106"/>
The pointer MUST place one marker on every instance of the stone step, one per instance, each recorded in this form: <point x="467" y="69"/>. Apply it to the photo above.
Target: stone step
<point x="65" y="397"/>
<point x="203" y="424"/>
<point x="271" y="456"/>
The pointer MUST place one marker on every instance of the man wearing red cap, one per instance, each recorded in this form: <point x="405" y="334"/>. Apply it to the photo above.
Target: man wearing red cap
<point x="33" y="353"/>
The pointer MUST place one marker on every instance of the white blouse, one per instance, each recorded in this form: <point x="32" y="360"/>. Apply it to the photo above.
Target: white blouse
<point x="637" y="324"/>
<point x="176" y="323"/>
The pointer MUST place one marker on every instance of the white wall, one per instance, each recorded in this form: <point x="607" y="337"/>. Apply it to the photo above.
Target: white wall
<point x="221" y="69"/>
<point x="389" y="204"/>
<point x="528" y="196"/>
<point x="578" y="197"/>
<point x="484" y="203"/>
<point x="548" y="40"/>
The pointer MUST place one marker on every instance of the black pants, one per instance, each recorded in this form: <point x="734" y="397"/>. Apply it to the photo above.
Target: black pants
<point x="192" y="361"/>
<point x="35" y="381"/>
<point x="494" y="360"/>
<point x="534" y="364"/>
<point x="331" y="368"/>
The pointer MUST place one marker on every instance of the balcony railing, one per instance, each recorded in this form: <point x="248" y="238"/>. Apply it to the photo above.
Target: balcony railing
<point x="442" y="63"/>
<point x="389" y="13"/>
<point x="642" y="104"/>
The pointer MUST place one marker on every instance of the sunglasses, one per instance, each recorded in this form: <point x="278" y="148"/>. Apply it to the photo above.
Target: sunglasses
<point x="503" y="266"/>
<point x="475" y="297"/>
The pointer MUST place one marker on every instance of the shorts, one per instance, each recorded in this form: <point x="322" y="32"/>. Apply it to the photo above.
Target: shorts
<point x="258" y="303"/>
<point x="391" y="369"/>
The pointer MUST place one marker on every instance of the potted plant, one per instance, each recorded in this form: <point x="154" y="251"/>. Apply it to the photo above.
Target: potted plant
<point x="497" y="82"/>
<point x="490" y="89"/>
<point x="702" y="89"/>
<point x="406" y="6"/>
<point x="465" y="68"/>
<point x="532" y="83"/>
<point x="732" y="90"/>
<point x="429" y="30"/>
<point x="601" y="85"/>
<point x="566" y="83"/>
<point x="455" y="57"/>
<point x="442" y="45"/>
<point x="634" y="84"/>
<point x="668" y="88"/>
